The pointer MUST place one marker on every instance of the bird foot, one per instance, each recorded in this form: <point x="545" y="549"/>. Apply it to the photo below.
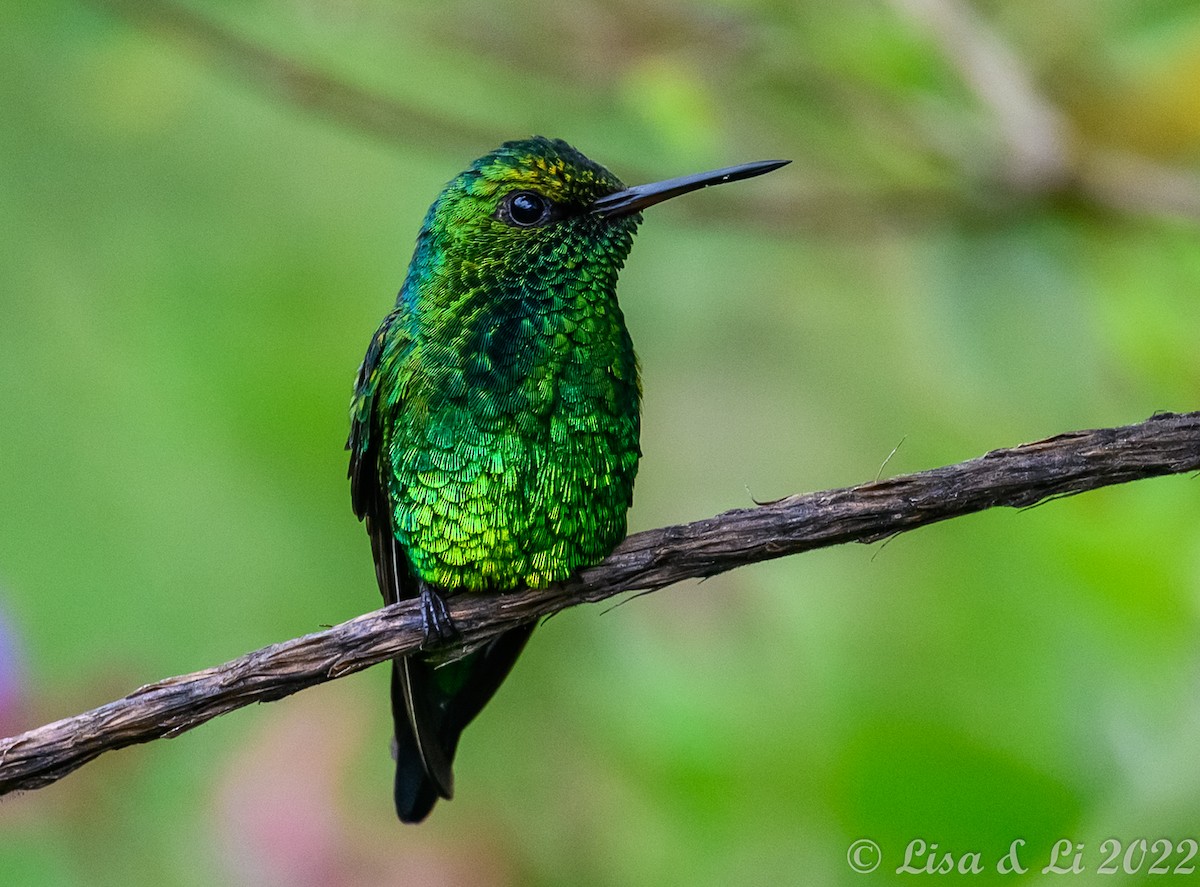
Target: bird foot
<point x="436" y="623"/>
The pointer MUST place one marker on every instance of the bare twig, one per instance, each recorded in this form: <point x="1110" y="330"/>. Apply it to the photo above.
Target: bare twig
<point x="1018" y="477"/>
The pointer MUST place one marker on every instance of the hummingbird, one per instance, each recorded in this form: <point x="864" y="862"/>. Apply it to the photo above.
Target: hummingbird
<point x="495" y="419"/>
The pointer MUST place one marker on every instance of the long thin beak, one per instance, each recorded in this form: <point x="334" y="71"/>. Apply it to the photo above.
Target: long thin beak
<point x="637" y="198"/>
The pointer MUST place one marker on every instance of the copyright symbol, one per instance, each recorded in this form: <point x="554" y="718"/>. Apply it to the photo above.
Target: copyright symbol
<point x="863" y="856"/>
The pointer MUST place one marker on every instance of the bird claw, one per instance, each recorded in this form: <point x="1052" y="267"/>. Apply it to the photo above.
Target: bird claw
<point x="436" y="623"/>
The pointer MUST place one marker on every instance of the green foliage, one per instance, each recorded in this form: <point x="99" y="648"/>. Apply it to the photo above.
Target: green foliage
<point x="197" y="252"/>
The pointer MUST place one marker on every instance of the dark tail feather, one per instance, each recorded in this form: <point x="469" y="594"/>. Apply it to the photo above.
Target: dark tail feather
<point x="415" y="790"/>
<point x="432" y="706"/>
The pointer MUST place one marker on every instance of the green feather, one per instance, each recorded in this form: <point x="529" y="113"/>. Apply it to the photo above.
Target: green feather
<point x="495" y="417"/>
<point x="506" y="384"/>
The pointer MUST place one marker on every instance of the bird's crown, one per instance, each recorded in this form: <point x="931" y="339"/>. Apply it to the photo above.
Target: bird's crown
<point x="550" y="167"/>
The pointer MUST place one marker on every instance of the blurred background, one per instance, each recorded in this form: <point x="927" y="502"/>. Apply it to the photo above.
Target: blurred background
<point x="988" y="236"/>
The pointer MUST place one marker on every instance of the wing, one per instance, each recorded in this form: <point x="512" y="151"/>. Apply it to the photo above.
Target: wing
<point x="366" y="428"/>
<point x="370" y="410"/>
<point x="430" y="707"/>
<point x="423" y="770"/>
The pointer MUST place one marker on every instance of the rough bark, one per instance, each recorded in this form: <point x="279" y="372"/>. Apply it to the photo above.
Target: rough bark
<point x="1021" y="476"/>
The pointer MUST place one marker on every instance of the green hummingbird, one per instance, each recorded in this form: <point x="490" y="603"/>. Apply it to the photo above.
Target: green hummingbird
<point x="495" y="418"/>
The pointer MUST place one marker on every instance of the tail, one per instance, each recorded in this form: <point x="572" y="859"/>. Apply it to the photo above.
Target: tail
<point x="432" y="706"/>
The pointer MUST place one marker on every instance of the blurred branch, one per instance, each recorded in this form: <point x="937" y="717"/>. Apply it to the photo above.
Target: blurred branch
<point x="1042" y="153"/>
<point x="1031" y="130"/>
<point x="817" y="210"/>
<point x="1017" y="477"/>
<point x="396" y="122"/>
<point x="1133" y="184"/>
<point x="317" y="91"/>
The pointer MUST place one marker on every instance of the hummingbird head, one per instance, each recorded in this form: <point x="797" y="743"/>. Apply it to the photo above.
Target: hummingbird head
<point x="519" y="216"/>
<point x="533" y="216"/>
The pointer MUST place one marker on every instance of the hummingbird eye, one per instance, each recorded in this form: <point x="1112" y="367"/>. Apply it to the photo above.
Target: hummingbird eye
<point x="524" y="209"/>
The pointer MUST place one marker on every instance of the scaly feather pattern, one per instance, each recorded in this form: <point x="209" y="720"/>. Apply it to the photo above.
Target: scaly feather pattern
<point x="495" y="418"/>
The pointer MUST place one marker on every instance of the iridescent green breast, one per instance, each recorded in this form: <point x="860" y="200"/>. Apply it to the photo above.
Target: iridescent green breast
<point x="514" y="453"/>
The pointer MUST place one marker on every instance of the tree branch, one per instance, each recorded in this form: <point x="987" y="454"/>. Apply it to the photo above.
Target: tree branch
<point x="1021" y="476"/>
